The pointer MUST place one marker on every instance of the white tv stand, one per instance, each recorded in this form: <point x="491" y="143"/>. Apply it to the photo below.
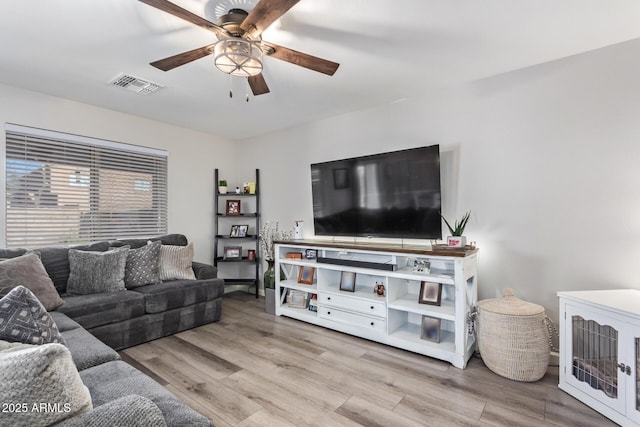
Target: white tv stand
<point x="395" y="318"/>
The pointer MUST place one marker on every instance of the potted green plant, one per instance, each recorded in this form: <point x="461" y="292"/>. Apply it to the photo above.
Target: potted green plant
<point x="222" y="186"/>
<point x="457" y="238"/>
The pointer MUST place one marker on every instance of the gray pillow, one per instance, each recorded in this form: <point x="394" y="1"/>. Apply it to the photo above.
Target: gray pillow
<point x="143" y="266"/>
<point x="176" y="262"/>
<point x="23" y="319"/>
<point x="95" y="272"/>
<point x="27" y="270"/>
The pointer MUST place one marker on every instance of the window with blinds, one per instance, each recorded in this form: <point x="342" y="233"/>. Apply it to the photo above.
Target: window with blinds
<point x="67" y="189"/>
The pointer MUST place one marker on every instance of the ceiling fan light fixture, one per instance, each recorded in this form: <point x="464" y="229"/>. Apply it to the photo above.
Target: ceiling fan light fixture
<point x="238" y="57"/>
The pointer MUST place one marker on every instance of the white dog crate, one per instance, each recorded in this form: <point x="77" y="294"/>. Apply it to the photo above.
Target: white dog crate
<point x="600" y="351"/>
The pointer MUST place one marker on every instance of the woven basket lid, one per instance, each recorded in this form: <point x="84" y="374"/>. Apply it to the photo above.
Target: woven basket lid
<point x="510" y="305"/>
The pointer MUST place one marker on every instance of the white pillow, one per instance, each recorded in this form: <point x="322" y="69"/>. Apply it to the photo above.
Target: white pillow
<point x="42" y="383"/>
<point x="175" y="262"/>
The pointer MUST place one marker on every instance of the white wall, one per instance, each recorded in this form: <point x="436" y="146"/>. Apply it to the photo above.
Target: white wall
<point x="192" y="155"/>
<point x="546" y="158"/>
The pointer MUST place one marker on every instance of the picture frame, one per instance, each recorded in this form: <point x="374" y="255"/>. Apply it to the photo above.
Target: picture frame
<point x="243" y="230"/>
<point x="430" y="329"/>
<point x="348" y="281"/>
<point x="232" y="252"/>
<point x="310" y="253"/>
<point x="430" y="293"/>
<point x="305" y="275"/>
<point x="297" y="299"/>
<point x="233" y="207"/>
<point x="234" y="231"/>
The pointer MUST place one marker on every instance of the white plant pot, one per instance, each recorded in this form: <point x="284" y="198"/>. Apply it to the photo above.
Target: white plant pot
<point x="222" y="189"/>
<point x="456" y="241"/>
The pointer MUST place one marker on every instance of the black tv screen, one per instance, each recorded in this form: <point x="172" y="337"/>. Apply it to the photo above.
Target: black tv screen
<point x="395" y="194"/>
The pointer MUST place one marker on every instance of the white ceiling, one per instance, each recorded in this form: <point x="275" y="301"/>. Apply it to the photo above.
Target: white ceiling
<point x="388" y="50"/>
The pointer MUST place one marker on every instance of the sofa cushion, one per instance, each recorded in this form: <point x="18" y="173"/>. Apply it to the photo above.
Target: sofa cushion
<point x="104" y="308"/>
<point x="87" y="350"/>
<point x="27" y="270"/>
<point x="63" y="322"/>
<point x="40" y="375"/>
<point x="24" y="319"/>
<point x="179" y="293"/>
<point x="143" y="266"/>
<point x="113" y="380"/>
<point x="167" y="239"/>
<point x="128" y="411"/>
<point x="95" y="272"/>
<point x="56" y="261"/>
<point x="175" y="262"/>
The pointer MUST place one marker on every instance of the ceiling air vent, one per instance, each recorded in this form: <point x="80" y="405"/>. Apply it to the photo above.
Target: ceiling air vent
<point x="135" y="84"/>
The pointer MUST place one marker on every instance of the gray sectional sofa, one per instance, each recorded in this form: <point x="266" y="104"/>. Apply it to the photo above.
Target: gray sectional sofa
<point x="121" y="394"/>
<point x="95" y="325"/>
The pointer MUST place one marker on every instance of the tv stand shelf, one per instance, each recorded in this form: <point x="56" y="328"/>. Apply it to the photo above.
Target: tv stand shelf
<point x="395" y="318"/>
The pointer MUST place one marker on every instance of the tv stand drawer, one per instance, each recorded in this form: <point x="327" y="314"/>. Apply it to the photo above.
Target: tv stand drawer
<point x="371" y="308"/>
<point x="353" y="319"/>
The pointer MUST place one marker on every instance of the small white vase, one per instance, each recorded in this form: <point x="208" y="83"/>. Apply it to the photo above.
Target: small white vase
<point x="222" y="189"/>
<point x="456" y="241"/>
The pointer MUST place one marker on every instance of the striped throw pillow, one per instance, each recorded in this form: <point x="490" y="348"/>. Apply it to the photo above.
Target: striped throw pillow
<point x="175" y="262"/>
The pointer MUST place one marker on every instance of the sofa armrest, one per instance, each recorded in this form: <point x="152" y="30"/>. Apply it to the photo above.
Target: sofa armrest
<point x="204" y="271"/>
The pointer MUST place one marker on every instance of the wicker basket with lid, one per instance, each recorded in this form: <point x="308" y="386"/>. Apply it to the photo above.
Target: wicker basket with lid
<point x="513" y="338"/>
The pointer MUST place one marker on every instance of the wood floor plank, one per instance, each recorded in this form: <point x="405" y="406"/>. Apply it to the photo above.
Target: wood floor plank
<point x="255" y="369"/>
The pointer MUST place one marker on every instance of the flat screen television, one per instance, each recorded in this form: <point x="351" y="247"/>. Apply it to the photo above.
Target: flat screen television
<point x="394" y="195"/>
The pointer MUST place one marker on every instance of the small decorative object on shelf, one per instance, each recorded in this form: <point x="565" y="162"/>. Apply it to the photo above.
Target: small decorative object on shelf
<point x="430" y="293"/>
<point x="457" y="240"/>
<point x="313" y="303"/>
<point x="233" y="207"/>
<point x="238" y="190"/>
<point x="294" y="255"/>
<point x="348" y="281"/>
<point x="245" y="188"/>
<point x="222" y="186"/>
<point x="232" y="252"/>
<point x="310" y="254"/>
<point x="421" y="265"/>
<point x="430" y="329"/>
<point x="305" y="275"/>
<point x="297" y="229"/>
<point x="378" y="289"/>
<point x="251" y="254"/>
<point x="297" y="299"/>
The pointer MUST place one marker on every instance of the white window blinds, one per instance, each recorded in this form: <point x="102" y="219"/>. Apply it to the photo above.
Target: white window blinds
<point x="64" y="189"/>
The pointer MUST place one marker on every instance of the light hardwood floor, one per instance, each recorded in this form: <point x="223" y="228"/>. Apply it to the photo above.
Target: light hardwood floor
<point x="255" y="369"/>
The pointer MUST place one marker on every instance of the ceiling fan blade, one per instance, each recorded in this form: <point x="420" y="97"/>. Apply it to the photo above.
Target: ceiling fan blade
<point x="302" y="59"/>
<point x="174" y="61"/>
<point x="264" y="14"/>
<point x="258" y="85"/>
<point x="175" y="10"/>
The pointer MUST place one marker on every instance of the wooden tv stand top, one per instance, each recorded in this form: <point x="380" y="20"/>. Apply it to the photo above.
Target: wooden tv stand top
<point x="438" y="250"/>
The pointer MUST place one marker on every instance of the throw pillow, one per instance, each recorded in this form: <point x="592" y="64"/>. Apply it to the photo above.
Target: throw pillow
<point x="143" y="266"/>
<point x="27" y="270"/>
<point x="94" y="272"/>
<point x="23" y="319"/>
<point x="42" y="384"/>
<point x="175" y="262"/>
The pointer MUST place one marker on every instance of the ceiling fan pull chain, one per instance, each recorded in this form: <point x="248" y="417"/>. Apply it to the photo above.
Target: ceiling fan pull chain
<point x="230" y="86"/>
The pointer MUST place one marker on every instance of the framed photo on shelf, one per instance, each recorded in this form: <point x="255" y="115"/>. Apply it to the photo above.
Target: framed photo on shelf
<point x="232" y="252"/>
<point x="233" y="207"/>
<point x="305" y="275"/>
<point x="297" y="299"/>
<point x="430" y="293"/>
<point x="242" y="230"/>
<point x="348" y="281"/>
<point x="430" y="329"/>
<point x="234" y="231"/>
